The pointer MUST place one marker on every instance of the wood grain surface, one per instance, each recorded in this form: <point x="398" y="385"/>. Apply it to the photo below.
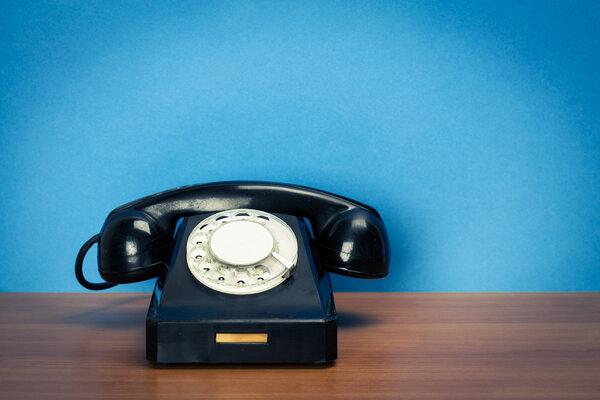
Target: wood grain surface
<point x="391" y="346"/>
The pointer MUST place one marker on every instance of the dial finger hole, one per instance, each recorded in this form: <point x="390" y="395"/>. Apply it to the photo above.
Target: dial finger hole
<point x="225" y="272"/>
<point x="198" y="239"/>
<point x="260" y="270"/>
<point x="207" y="228"/>
<point x="197" y="254"/>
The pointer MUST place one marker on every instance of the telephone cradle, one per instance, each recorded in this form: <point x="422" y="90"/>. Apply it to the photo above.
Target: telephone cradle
<point x="243" y="268"/>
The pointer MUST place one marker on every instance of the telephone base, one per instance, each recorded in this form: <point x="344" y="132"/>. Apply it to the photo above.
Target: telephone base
<point x="198" y="341"/>
<point x="294" y="322"/>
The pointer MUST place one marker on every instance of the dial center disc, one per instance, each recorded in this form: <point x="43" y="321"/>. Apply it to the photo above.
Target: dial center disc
<point x="241" y="243"/>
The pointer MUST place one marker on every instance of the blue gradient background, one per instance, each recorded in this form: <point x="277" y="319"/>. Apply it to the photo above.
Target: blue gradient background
<point x="472" y="126"/>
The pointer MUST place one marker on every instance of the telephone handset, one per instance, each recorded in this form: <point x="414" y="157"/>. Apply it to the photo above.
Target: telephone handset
<point x="136" y="239"/>
<point x="255" y="239"/>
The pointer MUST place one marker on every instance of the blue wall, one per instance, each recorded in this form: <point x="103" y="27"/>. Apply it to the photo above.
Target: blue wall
<point x="472" y="126"/>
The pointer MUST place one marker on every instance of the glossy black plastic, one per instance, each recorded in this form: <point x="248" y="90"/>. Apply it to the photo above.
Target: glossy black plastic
<point x="136" y="239"/>
<point x="132" y="248"/>
<point x="354" y="244"/>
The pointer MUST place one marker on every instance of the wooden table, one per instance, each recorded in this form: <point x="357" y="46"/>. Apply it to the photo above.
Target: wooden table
<point x="391" y="346"/>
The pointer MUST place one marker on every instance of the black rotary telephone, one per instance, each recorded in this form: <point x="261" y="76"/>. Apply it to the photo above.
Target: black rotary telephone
<point x="242" y="268"/>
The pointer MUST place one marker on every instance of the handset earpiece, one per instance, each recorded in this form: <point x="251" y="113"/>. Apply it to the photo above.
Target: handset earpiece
<point x="133" y="247"/>
<point x="354" y="243"/>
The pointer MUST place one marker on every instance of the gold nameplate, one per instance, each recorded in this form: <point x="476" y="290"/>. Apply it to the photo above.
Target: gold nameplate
<point x="242" y="337"/>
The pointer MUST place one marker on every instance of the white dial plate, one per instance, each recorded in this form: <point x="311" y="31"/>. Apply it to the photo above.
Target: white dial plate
<point x="241" y="243"/>
<point x="241" y="251"/>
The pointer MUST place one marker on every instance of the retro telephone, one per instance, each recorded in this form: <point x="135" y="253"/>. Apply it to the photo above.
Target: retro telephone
<point x="242" y="268"/>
